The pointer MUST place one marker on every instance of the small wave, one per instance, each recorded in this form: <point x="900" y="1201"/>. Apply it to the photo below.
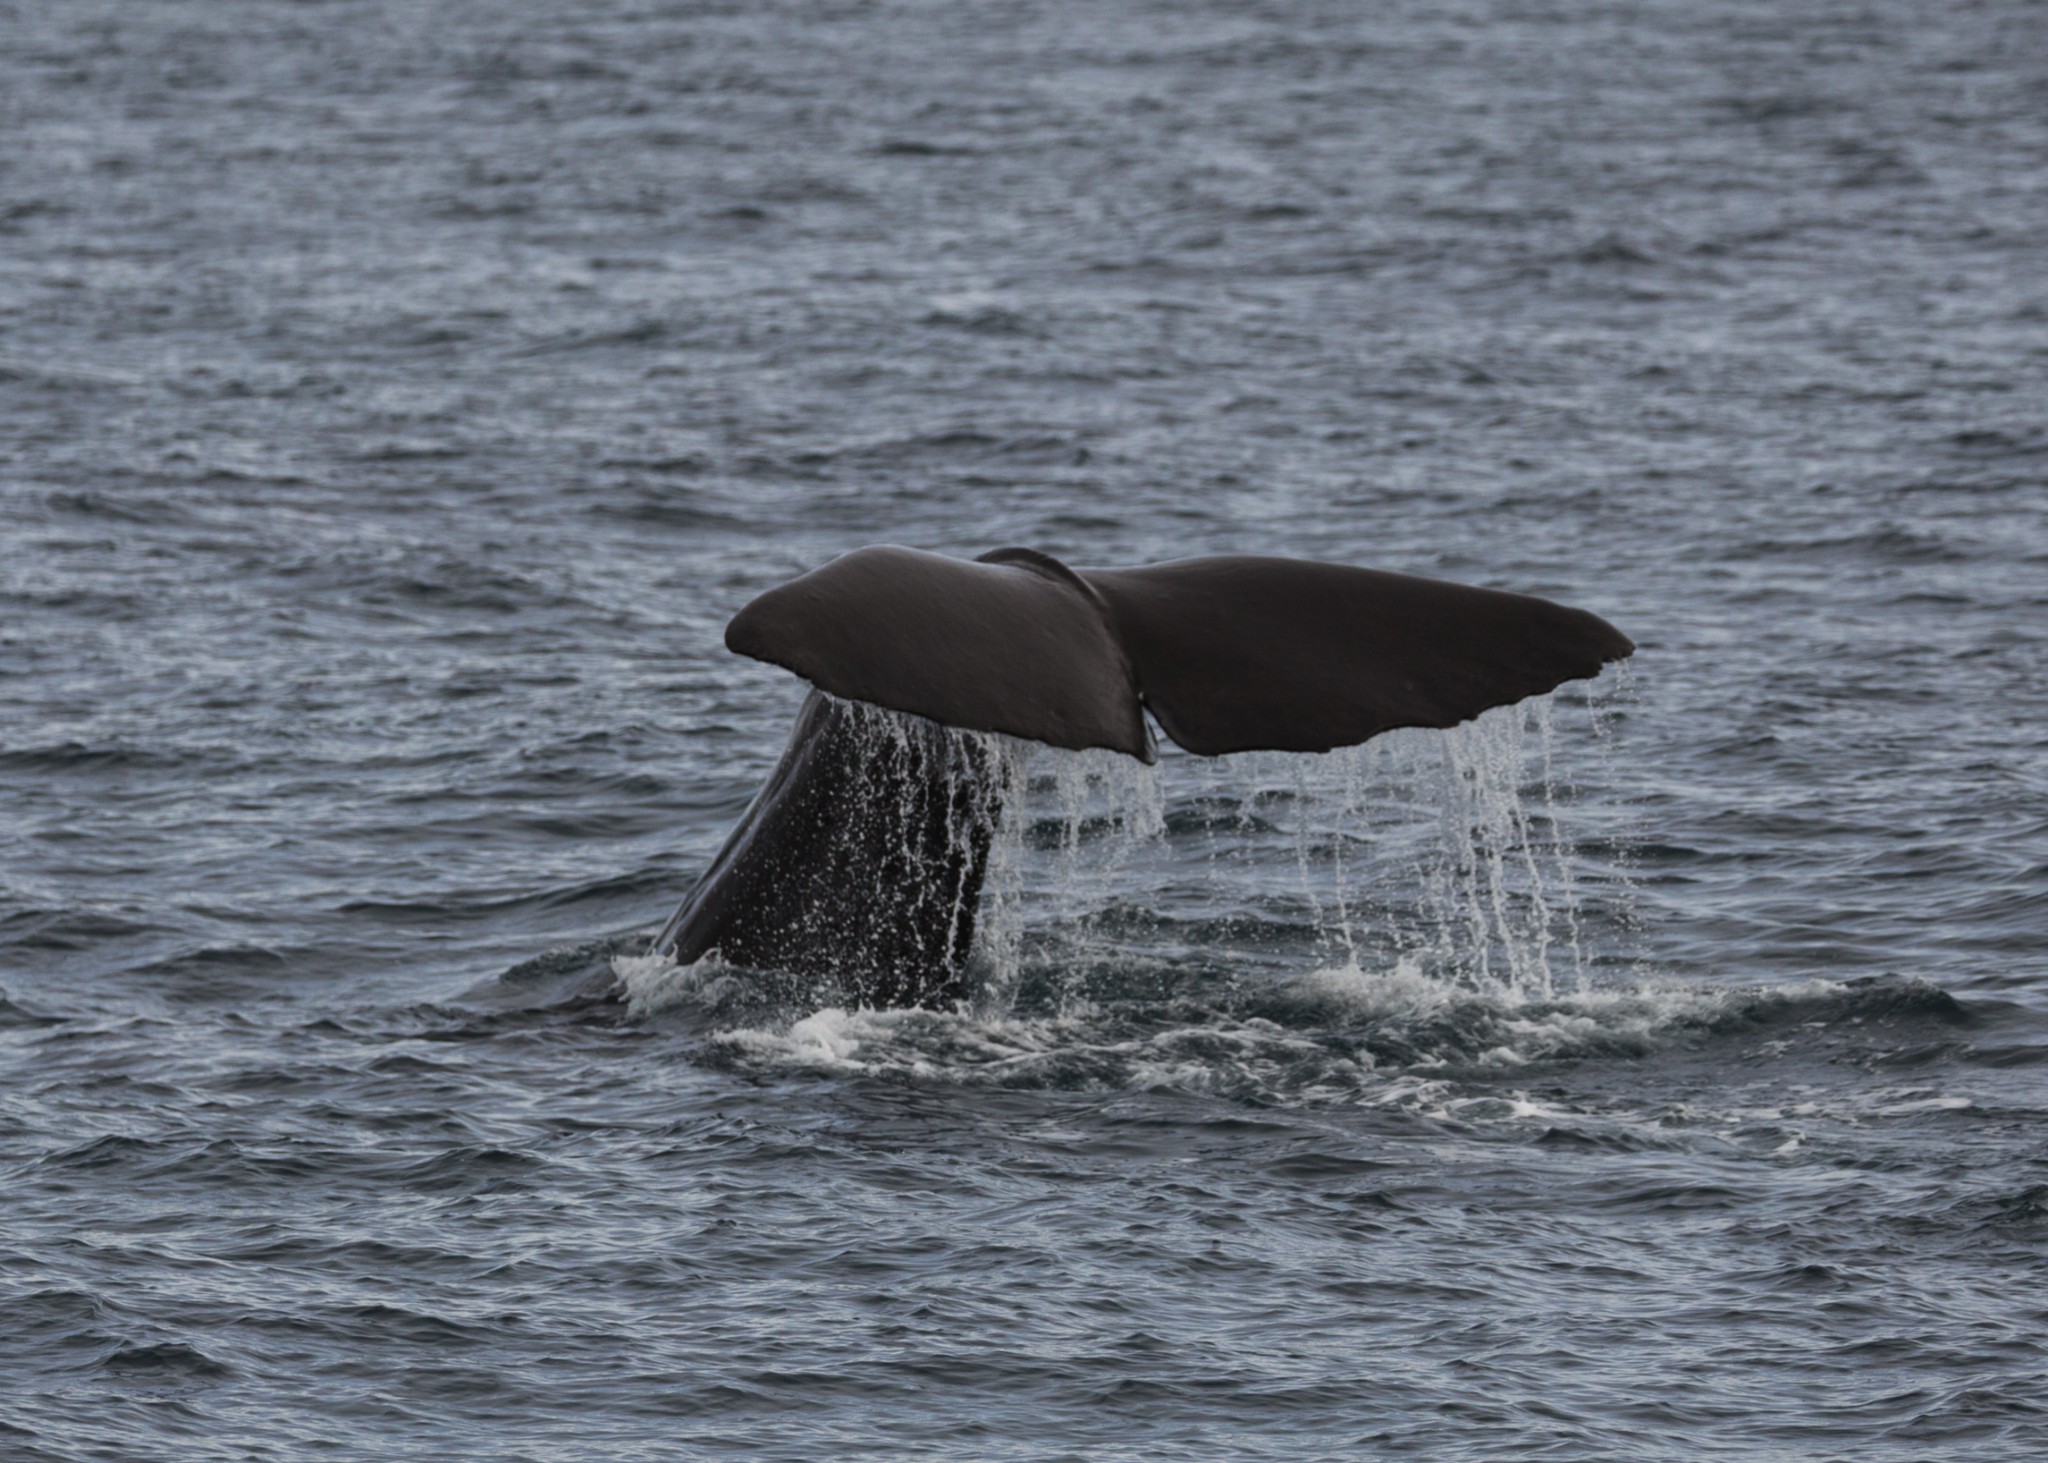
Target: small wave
<point x="1611" y="249"/>
<point x="487" y="904"/>
<point x="15" y="1016"/>
<point x="673" y="464"/>
<point x="218" y="961"/>
<point x="1886" y="543"/>
<point x="981" y="313"/>
<point x="132" y="507"/>
<point x="470" y="1167"/>
<point x="665" y="511"/>
<point x="164" y="1359"/>
<point x="65" y="929"/>
<point x="922" y="147"/>
<point x="73" y="756"/>
<point x="2025" y="1209"/>
<point x="634" y="335"/>
<point x="1996" y="442"/>
<point x="409" y="451"/>
<point x="105" y="1151"/>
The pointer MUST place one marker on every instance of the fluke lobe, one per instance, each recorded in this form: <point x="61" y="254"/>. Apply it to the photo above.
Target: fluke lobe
<point x="863" y="857"/>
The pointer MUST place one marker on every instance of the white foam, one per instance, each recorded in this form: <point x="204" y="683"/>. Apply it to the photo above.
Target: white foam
<point x="655" y="983"/>
<point x="831" y="1040"/>
<point x="1405" y="990"/>
<point x="1320" y="1057"/>
<point x="1921" y="1102"/>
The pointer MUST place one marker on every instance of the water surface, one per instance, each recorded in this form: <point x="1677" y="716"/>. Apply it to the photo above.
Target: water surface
<point x="395" y="401"/>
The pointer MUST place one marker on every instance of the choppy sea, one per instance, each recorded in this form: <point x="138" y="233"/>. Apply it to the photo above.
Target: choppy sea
<point x="397" y="397"/>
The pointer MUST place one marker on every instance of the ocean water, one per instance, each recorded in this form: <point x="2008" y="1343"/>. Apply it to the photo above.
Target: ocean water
<point x="397" y="398"/>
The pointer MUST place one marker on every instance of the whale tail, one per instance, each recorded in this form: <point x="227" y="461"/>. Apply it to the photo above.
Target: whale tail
<point x="863" y="860"/>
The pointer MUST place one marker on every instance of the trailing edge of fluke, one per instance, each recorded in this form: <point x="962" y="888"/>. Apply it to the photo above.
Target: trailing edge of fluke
<point x="1229" y="654"/>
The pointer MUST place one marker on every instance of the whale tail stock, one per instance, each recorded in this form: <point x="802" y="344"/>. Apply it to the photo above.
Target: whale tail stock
<point x="867" y="866"/>
<point x="860" y="860"/>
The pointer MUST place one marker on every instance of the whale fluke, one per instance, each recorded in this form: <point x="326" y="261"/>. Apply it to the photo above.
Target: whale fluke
<point x="1229" y="654"/>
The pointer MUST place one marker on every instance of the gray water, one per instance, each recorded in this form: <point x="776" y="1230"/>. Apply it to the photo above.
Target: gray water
<point x="397" y="398"/>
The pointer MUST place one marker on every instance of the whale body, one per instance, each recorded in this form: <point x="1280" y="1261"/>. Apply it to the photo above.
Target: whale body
<point x="863" y="857"/>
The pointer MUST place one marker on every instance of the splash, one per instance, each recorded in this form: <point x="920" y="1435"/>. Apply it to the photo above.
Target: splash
<point x="1444" y="853"/>
<point x="1453" y="851"/>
